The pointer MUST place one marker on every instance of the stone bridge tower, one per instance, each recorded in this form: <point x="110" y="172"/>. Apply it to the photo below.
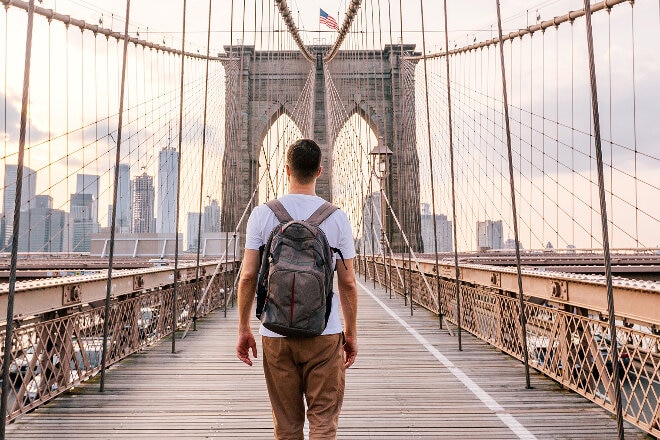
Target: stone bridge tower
<point x="263" y="85"/>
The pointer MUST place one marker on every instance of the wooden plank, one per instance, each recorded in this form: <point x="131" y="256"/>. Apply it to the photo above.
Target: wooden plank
<point x="396" y="390"/>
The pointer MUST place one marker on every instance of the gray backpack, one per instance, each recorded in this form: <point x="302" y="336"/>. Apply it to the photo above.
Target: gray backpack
<point x="294" y="287"/>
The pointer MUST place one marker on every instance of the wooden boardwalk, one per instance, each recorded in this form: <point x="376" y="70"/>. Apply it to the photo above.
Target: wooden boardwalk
<point x="409" y="382"/>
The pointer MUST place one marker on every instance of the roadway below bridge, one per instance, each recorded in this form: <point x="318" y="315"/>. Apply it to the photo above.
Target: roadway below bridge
<point x="409" y="381"/>
<point x="31" y="267"/>
<point x="634" y="265"/>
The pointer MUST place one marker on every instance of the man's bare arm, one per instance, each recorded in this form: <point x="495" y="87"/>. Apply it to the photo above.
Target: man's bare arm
<point x="247" y="285"/>
<point x="349" y="303"/>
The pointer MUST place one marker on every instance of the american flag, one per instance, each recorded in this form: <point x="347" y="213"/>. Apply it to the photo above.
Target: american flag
<point x="327" y="20"/>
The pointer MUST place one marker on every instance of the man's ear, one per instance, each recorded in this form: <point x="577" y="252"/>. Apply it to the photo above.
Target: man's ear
<point x="288" y="170"/>
<point x="319" y="172"/>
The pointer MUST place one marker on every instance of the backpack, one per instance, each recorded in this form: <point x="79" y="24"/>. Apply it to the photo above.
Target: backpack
<point x="294" y="285"/>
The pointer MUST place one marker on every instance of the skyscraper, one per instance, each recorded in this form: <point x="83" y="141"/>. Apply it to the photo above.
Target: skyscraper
<point x="490" y="235"/>
<point x="443" y="229"/>
<point x="168" y="173"/>
<point x="211" y="219"/>
<point x="89" y="184"/>
<point x="371" y="223"/>
<point x="143" y="204"/>
<point x="124" y="217"/>
<point x="193" y="230"/>
<point x="28" y="192"/>
<point x="83" y="223"/>
<point x="42" y="227"/>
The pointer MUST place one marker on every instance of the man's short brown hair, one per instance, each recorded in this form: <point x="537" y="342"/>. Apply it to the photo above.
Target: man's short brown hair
<point x="304" y="160"/>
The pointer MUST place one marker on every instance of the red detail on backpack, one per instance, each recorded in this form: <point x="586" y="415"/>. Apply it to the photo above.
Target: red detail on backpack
<point x="293" y="288"/>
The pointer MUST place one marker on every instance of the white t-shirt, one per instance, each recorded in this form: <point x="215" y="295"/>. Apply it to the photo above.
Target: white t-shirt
<point x="301" y="206"/>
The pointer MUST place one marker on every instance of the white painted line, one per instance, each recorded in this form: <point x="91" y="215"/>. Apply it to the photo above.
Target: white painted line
<point x="506" y="418"/>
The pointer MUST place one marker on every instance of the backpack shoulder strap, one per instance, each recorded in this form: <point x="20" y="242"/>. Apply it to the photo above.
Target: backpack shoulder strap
<point x="280" y="212"/>
<point x="324" y="211"/>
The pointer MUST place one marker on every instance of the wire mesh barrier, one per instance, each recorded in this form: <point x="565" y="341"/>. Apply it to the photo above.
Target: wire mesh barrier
<point x="56" y="353"/>
<point x="570" y="345"/>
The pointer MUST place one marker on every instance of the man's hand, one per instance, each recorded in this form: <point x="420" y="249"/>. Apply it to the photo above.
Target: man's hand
<point x="247" y="285"/>
<point x="350" y="351"/>
<point x="244" y="344"/>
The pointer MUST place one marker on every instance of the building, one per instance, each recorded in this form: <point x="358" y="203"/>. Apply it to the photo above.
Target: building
<point x="168" y="175"/>
<point x="211" y="218"/>
<point x="443" y="229"/>
<point x="82" y="221"/>
<point x="42" y="227"/>
<point x="124" y="216"/>
<point x="510" y="243"/>
<point x="89" y="184"/>
<point x="489" y="235"/>
<point x="371" y="224"/>
<point x="143" y="204"/>
<point x="193" y="230"/>
<point x="28" y="193"/>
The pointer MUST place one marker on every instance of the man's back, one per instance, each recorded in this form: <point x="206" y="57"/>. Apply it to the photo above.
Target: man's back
<point x="300" y="206"/>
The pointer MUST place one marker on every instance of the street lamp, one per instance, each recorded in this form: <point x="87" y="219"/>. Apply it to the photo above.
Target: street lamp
<point x="380" y="167"/>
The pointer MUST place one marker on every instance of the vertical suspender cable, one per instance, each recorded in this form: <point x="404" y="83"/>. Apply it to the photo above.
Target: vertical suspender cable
<point x="178" y="184"/>
<point x="603" y="219"/>
<point x="428" y="132"/>
<point x="201" y="178"/>
<point x="16" y="224"/>
<point x="108" y="290"/>
<point x="523" y="320"/>
<point x="453" y="189"/>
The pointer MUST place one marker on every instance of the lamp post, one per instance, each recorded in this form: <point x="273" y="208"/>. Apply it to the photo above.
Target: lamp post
<point x="380" y="167"/>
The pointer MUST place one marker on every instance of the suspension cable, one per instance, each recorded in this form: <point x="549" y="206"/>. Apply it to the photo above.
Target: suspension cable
<point x="16" y="225"/>
<point x="178" y="185"/>
<point x="603" y="218"/>
<point x="345" y="27"/>
<point x="293" y="30"/>
<point x="554" y="22"/>
<point x="108" y="291"/>
<point x="523" y="319"/>
<point x="453" y="190"/>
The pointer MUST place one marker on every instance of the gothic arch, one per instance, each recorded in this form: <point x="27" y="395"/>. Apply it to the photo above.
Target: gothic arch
<point x="272" y="113"/>
<point x="367" y="112"/>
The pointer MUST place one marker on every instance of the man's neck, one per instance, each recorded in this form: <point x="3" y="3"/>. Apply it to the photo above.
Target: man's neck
<point x="296" y="188"/>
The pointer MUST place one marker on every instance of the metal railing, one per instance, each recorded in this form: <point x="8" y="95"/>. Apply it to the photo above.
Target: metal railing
<point x="57" y="350"/>
<point x="569" y="344"/>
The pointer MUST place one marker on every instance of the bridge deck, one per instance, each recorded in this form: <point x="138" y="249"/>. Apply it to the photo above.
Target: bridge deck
<point x="399" y="388"/>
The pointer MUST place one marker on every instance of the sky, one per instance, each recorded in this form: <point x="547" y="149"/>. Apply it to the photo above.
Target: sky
<point x="161" y="22"/>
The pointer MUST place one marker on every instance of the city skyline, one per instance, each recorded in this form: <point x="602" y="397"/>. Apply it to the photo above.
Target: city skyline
<point x="45" y="228"/>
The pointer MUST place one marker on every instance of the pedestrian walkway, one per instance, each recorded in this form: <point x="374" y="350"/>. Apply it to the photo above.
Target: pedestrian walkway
<point x="409" y="382"/>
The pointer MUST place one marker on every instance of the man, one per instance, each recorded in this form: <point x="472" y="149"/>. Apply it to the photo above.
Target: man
<point x="296" y="368"/>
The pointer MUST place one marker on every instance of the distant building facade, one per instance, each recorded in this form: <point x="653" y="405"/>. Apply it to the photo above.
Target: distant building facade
<point x="168" y="175"/>
<point x="124" y="215"/>
<point x="510" y="243"/>
<point x="193" y="230"/>
<point x="443" y="231"/>
<point x="83" y="222"/>
<point x="143" y="204"/>
<point x="42" y="227"/>
<point x="28" y="193"/>
<point x="489" y="235"/>
<point x="89" y="184"/>
<point x="371" y="224"/>
<point x="211" y="218"/>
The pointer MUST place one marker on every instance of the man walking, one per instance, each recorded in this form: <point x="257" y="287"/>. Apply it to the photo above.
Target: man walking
<point x="311" y="368"/>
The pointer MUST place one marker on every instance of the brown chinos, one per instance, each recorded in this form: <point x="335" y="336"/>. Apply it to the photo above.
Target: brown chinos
<point x="309" y="368"/>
